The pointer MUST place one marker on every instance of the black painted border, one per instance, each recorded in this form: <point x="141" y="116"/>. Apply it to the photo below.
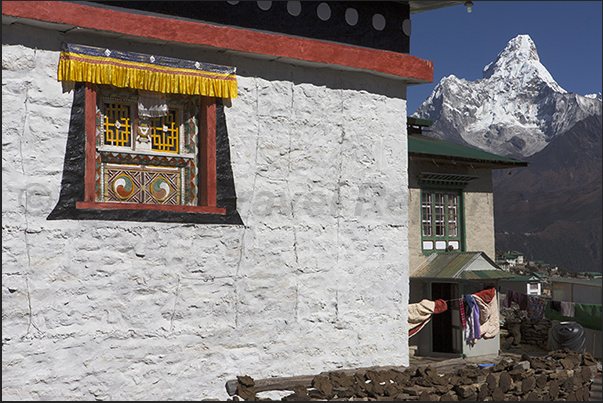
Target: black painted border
<point x="73" y="188"/>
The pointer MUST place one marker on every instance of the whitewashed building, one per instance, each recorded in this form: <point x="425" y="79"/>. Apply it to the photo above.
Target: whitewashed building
<point x="198" y="190"/>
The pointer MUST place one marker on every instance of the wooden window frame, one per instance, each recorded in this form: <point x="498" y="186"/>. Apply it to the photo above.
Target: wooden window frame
<point x="207" y="172"/>
<point x="460" y="238"/>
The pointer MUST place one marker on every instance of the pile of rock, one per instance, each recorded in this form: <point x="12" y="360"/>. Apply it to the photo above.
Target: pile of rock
<point x="563" y="375"/>
<point x="521" y="329"/>
<point x="535" y="331"/>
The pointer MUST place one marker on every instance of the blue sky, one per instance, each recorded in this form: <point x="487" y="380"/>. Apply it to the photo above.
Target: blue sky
<point x="567" y="35"/>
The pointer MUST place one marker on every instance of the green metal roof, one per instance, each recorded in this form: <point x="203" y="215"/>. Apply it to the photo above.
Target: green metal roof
<point x="461" y="266"/>
<point x="525" y="278"/>
<point x="432" y="147"/>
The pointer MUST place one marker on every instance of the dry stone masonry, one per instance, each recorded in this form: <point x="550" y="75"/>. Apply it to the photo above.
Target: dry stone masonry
<point x="562" y="375"/>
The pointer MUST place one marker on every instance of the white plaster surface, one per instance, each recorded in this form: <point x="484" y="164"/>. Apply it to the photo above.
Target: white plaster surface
<point x="316" y="279"/>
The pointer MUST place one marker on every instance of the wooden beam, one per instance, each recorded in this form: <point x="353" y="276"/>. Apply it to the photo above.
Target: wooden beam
<point x="263" y="385"/>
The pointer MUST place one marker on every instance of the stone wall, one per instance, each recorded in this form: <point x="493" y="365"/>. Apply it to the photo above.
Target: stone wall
<point x="316" y="278"/>
<point x="562" y="375"/>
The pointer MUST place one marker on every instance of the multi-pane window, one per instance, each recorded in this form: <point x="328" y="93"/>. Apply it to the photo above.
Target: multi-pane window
<point x="147" y="158"/>
<point x="440" y="220"/>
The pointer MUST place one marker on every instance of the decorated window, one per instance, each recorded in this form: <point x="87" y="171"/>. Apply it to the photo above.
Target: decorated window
<point x="146" y="146"/>
<point x="150" y="128"/>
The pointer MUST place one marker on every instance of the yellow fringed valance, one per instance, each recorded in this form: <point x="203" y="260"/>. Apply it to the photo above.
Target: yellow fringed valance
<point x="146" y="72"/>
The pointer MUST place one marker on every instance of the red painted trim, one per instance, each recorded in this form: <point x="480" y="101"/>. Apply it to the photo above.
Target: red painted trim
<point x="90" y="127"/>
<point x="174" y="30"/>
<point x="139" y="206"/>
<point x="207" y="163"/>
<point x="207" y="152"/>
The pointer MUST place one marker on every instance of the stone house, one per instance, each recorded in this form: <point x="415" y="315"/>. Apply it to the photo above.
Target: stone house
<point x="513" y="258"/>
<point x="450" y="235"/>
<point x="199" y="190"/>
<point x="530" y="284"/>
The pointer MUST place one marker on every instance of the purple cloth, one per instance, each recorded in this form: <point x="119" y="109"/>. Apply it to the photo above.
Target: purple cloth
<point x="514" y="296"/>
<point x="473" y="331"/>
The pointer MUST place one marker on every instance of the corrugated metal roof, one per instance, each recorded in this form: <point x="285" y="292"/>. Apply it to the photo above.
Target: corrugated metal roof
<point x="525" y="278"/>
<point x="460" y="266"/>
<point x="429" y="146"/>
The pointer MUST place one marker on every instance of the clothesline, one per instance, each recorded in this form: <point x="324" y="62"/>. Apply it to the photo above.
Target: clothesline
<point x="538" y="307"/>
<point x="479" y="314"/>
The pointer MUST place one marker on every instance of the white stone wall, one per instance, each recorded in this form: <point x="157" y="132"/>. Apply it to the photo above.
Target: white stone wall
<point x="316" y="279"/>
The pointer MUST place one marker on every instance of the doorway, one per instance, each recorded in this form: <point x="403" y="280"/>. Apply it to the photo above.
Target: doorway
<point x="444" y="326"/>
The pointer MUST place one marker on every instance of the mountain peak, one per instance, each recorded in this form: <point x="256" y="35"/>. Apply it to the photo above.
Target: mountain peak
<point x="519" y="61"/>
<point x="515" y="110"/>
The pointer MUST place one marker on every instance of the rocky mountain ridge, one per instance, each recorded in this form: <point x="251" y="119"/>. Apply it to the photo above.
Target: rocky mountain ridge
<point x="515" y="110"/>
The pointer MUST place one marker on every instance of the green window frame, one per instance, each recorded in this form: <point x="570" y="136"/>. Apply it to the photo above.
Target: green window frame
<point x="442" y="216"/>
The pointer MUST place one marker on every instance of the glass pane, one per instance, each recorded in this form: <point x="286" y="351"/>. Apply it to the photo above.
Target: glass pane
<point x="453" y="217"/>
<point x="438" y="211"/>
<point x="426" y="214"/>
<point x="117" y="126"/>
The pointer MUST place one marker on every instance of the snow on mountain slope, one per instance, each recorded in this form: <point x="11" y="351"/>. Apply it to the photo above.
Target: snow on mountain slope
<point x="516" y="109"/>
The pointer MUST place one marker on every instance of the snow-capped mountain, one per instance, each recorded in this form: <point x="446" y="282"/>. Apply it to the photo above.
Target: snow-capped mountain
<point x="516" y="109"/>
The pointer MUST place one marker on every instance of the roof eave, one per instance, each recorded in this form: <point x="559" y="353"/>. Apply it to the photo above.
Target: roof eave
<point x="493" y="164"/>
<point x="421" y="6"/>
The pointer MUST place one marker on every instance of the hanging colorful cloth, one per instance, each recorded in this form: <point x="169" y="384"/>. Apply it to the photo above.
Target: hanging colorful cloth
<point x="536" y="307"/>
<point x="472" y="332"/>
<point x="514" y="296"/>
<point x="462" y="313"/>
<point x="80" y="63"/>
<point x="488" y="312"/>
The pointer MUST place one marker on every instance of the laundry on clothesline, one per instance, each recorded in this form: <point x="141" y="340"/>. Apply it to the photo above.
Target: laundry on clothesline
<point x="590" y="316"/>
<point x="538" y="307"/>
<point x="488" y="313"/>
<point x="478" y="313"/>
<point x="472" y="331"/>
<point x="518" y="297"/>
<point x="420" y="313"/>
<point x="568" y="309"/>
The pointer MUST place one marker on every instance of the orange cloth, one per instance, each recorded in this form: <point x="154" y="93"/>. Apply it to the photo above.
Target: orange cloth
<point x="440" y="306"/>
